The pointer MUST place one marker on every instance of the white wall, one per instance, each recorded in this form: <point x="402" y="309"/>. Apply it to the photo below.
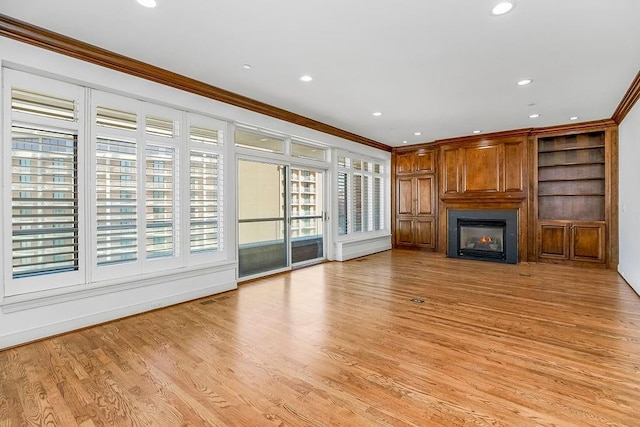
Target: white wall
<point x="629" y="203"/>
<point x="26" y="318"/>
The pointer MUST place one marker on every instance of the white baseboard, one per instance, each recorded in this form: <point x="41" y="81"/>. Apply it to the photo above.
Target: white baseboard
<point x="351" y="249"/>
<point x="51" y="329"/>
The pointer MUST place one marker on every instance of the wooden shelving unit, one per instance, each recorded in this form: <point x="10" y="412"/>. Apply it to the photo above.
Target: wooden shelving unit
<point x="571" y="197"/>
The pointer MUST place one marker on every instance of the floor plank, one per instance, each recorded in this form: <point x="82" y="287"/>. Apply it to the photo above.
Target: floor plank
<point x="342" y="344"/>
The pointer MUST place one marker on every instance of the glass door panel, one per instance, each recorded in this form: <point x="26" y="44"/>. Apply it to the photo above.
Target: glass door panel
<point x="262" y="231"/>
<point x="307" y="214"/>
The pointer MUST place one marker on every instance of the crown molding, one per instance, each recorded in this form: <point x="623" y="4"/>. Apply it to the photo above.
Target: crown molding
<point x="628" y="100"/>
<point x="40" y="37"/>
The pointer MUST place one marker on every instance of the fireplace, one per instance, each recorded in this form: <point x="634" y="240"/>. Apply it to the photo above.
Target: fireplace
<point x="487" y="235"/>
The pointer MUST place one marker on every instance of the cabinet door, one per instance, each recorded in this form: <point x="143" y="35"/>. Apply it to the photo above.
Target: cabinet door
<point x="404" y="232"/>
<point x="425" y="233"/>
<point x="553" y="240"/>
<point x="425" y="161"/>
<point x="404" y="163"/>
<point x="425" y="195"/>
<point x="587" y="241"/>
<point x="405" y="196"/>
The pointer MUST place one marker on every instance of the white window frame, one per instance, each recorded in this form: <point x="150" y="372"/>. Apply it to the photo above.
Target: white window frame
<point x="13" y="78"/>
<point x="193" y="119"/>
<point x="367" y="211"/>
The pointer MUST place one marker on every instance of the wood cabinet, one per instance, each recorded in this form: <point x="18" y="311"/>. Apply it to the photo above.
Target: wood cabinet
<point x="573" y="196"/>
<point x="415" y="199"/>
<point x="572" y="241"/>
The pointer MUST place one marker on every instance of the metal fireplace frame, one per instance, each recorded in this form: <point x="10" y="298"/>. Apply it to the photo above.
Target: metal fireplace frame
<point x="510" y="243"/>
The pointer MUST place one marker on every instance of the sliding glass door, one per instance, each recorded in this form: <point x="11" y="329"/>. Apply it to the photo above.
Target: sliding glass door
<point x="307" y="215"/>
<point x="262" y="222"/>
<point x="280" y="217"/>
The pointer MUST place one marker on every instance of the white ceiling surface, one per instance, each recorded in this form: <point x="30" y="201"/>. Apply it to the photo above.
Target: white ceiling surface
<point x="440" y="67"/>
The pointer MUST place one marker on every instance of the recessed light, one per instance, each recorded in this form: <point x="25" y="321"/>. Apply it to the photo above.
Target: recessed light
<point x="306" y="78"/>
<point x="534" y="116"/>
<point x="377" y="114"/>
<point x="246" y="66"/>
<point x="404" y="142"/>
<point x="525" y="82"/>
<point x="148" y="3"/>
<point x="417" y="133"/>
<point x="574" y="118"/>
<point x="502" y="8"/>
<point x="476" y="131"/>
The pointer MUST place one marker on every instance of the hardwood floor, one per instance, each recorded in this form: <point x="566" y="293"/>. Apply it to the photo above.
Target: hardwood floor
<point x="341" y="344"/>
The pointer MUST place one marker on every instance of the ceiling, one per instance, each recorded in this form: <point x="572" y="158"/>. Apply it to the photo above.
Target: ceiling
<point x="443" y="68"/>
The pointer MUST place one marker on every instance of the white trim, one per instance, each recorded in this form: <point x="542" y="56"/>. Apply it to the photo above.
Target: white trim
<point x="71" y="293"/>
<point x="364" y="245"/>
<point x="50" y="329"/>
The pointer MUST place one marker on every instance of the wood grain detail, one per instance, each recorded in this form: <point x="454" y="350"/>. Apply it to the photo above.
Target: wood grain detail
<point x="40" y="37"/>
<point x="513" y="167"/>
<point x="426" y="193"/>
<point x="341" y="344"/>
<point x="405" y="195"/>
<point x="450" y="170"/>
<point x="481" y="169"/>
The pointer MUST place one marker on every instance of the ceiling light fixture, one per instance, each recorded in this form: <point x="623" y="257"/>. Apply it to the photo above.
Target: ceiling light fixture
<point x="476" y="131"/>
<point x="377" y="114"/>
<point x="574" y="118"/>
<point x="246" y="66"/>
<point x="534" y="116"/>
<point x="306" y="78"/>
<point x="148" y="3"/>
<point x="404" y="142"/>
<point x="417" y="133"/>
<point x="524" y="82"/>
<point x="502" y="8"/>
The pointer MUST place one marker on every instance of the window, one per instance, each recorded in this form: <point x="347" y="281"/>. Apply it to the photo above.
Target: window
<point x="44" y="208"/>
<point x="360" y="192"/>
<point x="258" y="141"/>
<point x="205" y="185"/>
<point x="116" y="201"/>
<point x="149" y="200"/>
<point x="42" y="175"/>
<point x="160" y="201"/>
<point x="306" y="151"/>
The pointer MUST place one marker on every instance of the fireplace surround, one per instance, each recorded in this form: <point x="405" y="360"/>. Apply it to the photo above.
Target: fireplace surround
<point x="486" y="235"/>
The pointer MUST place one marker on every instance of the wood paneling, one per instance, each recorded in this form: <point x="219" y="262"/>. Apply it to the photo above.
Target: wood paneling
<point x="416" y="204"/>
<point x="481" y="169"/>
<point x="450" y="170"/>
<point x="553" y="240"/>
<point x="425" y="161"/>
<point x="341" y="344"/>
<point x="494" y="169"/>
<point x="425" y="191"/>
<point x="588" y="242"/>
<point x="404" y="163"/>
<point x="404" y="235"/>
<point x="405" y="194"/>
<point x="514" y="167"/>
<point x="425" y="232"/>
<point x="40" y="37"/>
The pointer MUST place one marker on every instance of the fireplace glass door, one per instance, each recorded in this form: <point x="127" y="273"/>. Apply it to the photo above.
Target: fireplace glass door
<point x="482" y="239"/>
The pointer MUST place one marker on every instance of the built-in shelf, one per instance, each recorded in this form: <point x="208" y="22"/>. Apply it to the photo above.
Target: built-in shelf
<point x="571" y="179"/>
<point x="571" y="195"/>
<point x="556" y="150"/>
<point x="600" y="162"/>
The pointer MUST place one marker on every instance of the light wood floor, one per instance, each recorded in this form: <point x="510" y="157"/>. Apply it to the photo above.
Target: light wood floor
<point x="342" y="344"/>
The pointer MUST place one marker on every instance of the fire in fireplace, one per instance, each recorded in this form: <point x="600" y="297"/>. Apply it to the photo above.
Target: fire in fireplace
<point x="489" y="235"/>
<point x="482" y="239"/>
